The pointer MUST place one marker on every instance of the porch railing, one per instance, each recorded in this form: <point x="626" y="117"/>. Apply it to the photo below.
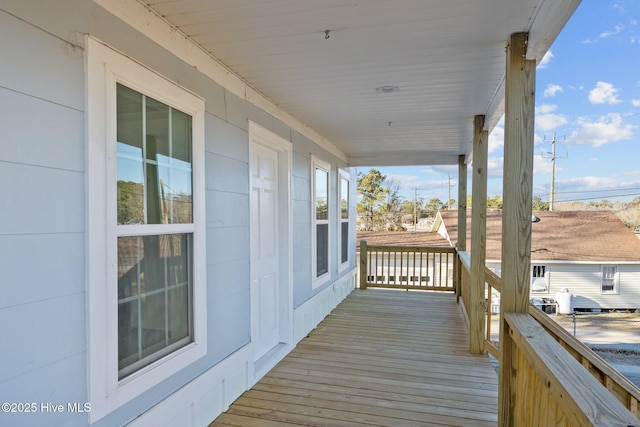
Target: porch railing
<point x="407" y="267"/>
<point x="562" y="379"/>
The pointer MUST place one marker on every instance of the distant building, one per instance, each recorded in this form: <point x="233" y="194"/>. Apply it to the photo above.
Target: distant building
<point x="591" y="253"/>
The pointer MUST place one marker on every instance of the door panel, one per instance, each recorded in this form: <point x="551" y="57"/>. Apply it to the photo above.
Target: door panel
<point x="265" y="257"/>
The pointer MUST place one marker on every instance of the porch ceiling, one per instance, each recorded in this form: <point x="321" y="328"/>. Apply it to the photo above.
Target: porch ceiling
<point x="447" y="58"/>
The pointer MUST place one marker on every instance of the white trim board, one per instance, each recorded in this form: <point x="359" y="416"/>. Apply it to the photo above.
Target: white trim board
<point x="264" y="137"/>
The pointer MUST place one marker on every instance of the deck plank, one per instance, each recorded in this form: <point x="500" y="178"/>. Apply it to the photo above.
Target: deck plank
<point x="381" y="358"/>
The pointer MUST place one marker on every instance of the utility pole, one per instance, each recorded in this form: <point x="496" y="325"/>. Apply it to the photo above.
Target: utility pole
<point x="415" y="208"/>
<point x="553" y="170"/>
<point x="449" y="197"/>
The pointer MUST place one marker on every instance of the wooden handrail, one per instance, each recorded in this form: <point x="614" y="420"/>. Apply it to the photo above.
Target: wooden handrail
<point x="620" y="387"/>
<point x="549" y="384"/>
<point x="407" y="267"/>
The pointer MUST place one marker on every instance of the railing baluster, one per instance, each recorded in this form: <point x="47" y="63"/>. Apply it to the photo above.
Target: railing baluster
<point x="406" y="267"/>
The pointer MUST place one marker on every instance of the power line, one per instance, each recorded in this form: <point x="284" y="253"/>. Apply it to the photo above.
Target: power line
<point x="599" y="198"/>
<point x="594" y="191"/>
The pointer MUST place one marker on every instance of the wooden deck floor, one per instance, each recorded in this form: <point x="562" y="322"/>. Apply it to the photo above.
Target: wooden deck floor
<point x="381" y="358"/>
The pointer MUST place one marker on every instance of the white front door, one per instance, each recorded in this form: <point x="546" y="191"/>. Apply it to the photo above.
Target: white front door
<point x="265" y="257"/>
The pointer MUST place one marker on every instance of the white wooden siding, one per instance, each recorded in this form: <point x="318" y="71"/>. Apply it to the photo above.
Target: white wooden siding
<point x="42" y="227"/>
<point x="584" y="281"/>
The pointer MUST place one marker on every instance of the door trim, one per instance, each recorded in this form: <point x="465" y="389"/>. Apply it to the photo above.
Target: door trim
<point x="264" y="137"/>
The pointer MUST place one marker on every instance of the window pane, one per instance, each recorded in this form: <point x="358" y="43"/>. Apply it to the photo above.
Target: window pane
<point x="178" y="300"/>
<point x="322" y="194"/>
<point x="322" y="249"/>
<point x="154" y="177"/>
<point x="129" y="119"/>
<point x="180" y="136"/>
<point x="344" y="199"/>
<point x="130" y="191"/>
<point x="157" y="131"/>
<point x="129" y="151"/>
<point x="154" y="298"/>
<point x="344" y="242"/>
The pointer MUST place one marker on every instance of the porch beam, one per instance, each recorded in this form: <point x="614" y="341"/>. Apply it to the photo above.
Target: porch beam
<point x="516" y="211"/>
<point x="478" y="236"/>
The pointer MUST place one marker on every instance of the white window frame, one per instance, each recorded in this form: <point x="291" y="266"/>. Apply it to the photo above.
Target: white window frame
<point x="105" y="68"/>
<point x="546" y="278"/>
<point x="346" y="176"/>
<point x="616" y="280"/>
<point x="317" y="281"/>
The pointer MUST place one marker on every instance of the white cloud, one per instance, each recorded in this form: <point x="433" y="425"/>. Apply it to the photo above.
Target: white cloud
<point x="609" y="128"/>
<point x="635" y="102"/>
<point x="495" y="167"/>
<point x="546" y="108"/>
<point x="545" y="59"/>
<point x="552" y="90"/>
<point x="616" y="30"/>
<point x="403" y="181"/>
<point x="604" y="93"/>
<point x="496" y="138"/>
<point x="541" y="164"/>
<point x="546" y="119"/>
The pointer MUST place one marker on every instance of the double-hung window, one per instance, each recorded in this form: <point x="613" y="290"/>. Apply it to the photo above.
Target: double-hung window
<point x="146" y="239"/>
<point x="155" y="229"/>
<point x="343" y="218"/>
<point x="321" y="216"/>
<point x="609" y="281"/>
<point x="539" y="279"/>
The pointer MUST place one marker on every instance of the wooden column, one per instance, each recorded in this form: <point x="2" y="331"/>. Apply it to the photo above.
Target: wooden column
<point x="363" y="264"/>
<point x="461" y="245"/>
<point x="516" y="212"/>
<point x="478" y="237"/>
<point x="462" y="204"/>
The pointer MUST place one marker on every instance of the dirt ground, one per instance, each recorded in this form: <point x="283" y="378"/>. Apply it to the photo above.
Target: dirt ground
<point x="613" y="336"/>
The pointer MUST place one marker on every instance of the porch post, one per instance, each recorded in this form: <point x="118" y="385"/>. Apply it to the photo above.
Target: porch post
<point x="516" y="212"/>
<point x="478" y="236"/>
<point x="462" y="204"/>
<point x="363" y="264"/>
<point x="461" y="245"/>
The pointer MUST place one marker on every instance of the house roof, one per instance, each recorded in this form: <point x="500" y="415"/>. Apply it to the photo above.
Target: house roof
<point x="560" y="236"/>
<point x="402" y="238"/>
<point x="333" y="66"/>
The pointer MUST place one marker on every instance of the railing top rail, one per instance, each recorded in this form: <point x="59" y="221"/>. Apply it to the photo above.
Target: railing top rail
<point x="399" y="248"/>
<point x="579" y="347"/>
<point x="587" y="401"/>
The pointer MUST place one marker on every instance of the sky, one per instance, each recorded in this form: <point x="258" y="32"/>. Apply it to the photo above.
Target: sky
<point x="588" y="96"/>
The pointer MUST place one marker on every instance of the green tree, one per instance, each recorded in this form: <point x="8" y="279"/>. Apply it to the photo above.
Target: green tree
<point x="602" y="204"/>
<point x="389" y="216"/>
<point x="539" y="205"/>
<point x="494" y="203"/>
<point x="433" y="206"/>
<point x="130" y="203"/>
<point x="372" y="192"/>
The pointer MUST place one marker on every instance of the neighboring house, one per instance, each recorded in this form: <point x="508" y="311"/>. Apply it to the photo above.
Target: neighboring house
<point x="590" y="253"/>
